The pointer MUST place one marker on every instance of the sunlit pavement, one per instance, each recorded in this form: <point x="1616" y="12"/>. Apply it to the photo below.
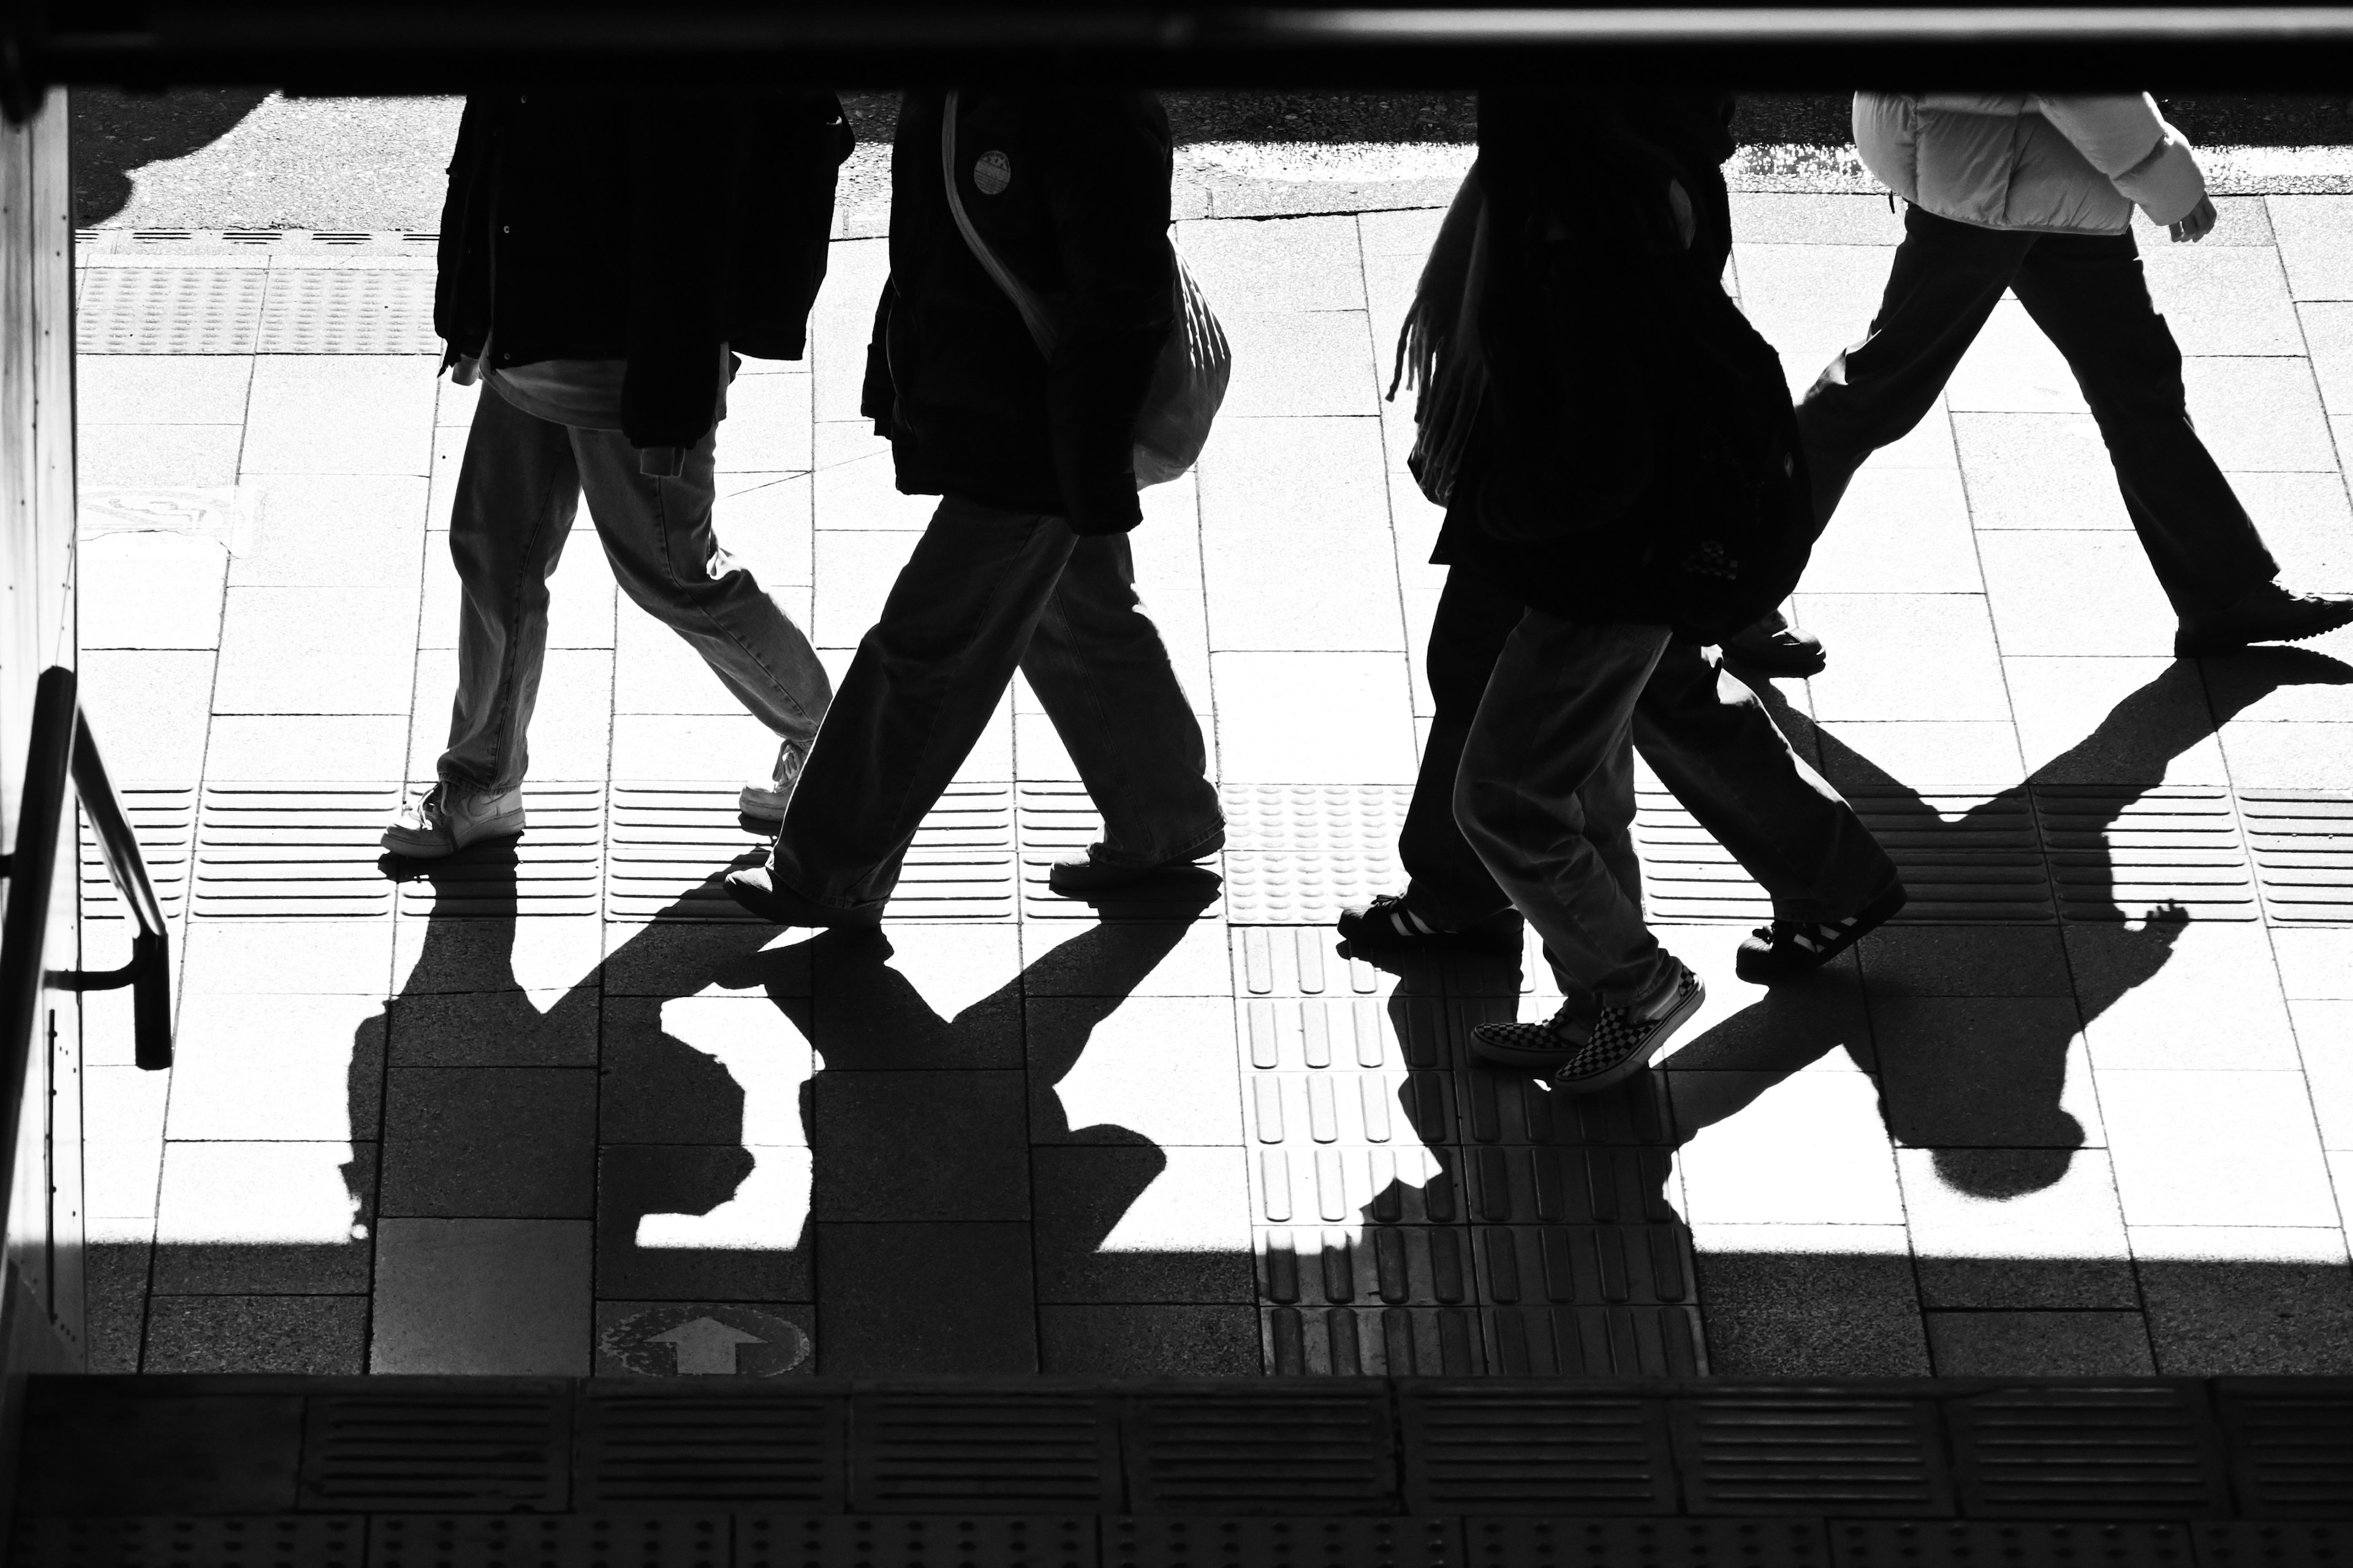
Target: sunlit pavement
<point x="547" y="1111"/>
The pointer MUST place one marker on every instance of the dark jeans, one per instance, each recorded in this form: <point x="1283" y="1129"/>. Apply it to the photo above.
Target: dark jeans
<point x="2086" y="293"/>
<point x="1703" y="733"/>
<point x="984" y="591"/>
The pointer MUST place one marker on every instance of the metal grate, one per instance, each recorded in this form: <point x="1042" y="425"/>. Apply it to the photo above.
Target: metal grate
<point x="2127" y="854"/>
<point x="2145" y="1451"/>
<point x="1280" y="1543"/>
<point x="347" y="311"/>
<point x="2291" y="1447"/>
<point x="286" y="851"/>
<point x="318" y="1541"/>
<point x="556" y="867"/>
<point x="493" y="1541"/>
<point x="993" y="1451"/>
<point x="163" y="819"/>
<point x="943" y="1542"/>
<point x="168" y="310"/>
<point x="1652" y="1543"/>
<point x="1262" y="1448"/>
<point x="767" y="1449"/>
<point x="493" y="1452"/>
<point x="1473" y="1449"/>
<point x="2303" y="849"/>
<point x="1795" y="1450"/>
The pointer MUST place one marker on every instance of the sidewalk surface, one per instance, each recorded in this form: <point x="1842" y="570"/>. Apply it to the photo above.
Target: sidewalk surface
<point x="549" y="1112"/>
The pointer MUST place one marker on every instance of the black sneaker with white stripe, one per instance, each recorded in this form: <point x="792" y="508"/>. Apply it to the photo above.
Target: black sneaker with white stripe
<point x="1390" y="924"/>
<point x="1788" y="949"/>
<point x="1620" y="1044"/>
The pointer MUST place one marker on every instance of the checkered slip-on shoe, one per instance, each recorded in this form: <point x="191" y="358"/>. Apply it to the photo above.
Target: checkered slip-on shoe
<point x="1620" y="1045"/>
<point x="1788" y="949"/>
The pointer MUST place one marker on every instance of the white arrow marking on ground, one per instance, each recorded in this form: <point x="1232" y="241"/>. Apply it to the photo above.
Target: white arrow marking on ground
<point x="707" y="1345"/>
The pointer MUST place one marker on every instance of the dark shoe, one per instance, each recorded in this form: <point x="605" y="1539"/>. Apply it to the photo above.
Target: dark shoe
<point x="1095" y="874"/>
<point x="1787" y="949"/>
<point x="2264" y="613"/>
<point x="1619" y="1046"/>
<point x="757" y="892"/>
<point x="1775" y="647"/>
<point x="1388" y="924"/>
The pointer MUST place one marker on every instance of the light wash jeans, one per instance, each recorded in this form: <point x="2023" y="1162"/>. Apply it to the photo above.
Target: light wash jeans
<point x="517" y="492"/>
<point x="987" y="590"/>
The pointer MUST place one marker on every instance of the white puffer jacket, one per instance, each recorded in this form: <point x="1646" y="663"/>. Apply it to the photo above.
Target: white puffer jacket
<point x="2054" y="164"/>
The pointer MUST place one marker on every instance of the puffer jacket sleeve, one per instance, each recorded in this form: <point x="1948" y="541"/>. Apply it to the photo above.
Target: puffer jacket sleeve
<point x="2126" y="139"/>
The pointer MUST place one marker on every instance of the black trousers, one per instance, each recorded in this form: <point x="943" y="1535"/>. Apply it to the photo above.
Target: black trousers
<point x="2088" y="294"/>
<point x="1704" y="735"/>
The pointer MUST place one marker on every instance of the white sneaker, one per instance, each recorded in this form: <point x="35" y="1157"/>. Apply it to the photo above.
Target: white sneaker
<point x="766" y="801"/>
<point x="446" y="821"/>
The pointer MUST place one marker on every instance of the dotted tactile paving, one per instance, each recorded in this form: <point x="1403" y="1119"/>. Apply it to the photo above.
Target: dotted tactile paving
<point x="348" y="311"/>
<point x="1967" y="1544"/>
<point x="163" y="819"/>
<point x="1300" y="853"/>
<point x="1654" y="1543"/>
<point x="319" y="1540"/>
<point x="556" y="867"/>
<point x="2123" y="855"/>
<point x="670" y="843"/>
<point x="168" y="310"/>
<point x="1280" y="1542"/>
<point x="2303" y="849"/>
<point x="2272" y="1543"/>
<point x="869" y="1541"/>
<point x="292" y="851"/>
<point x="1373" y="1341"/>
<point x="1962" y="857"/>
<point x="495" y="1540"/>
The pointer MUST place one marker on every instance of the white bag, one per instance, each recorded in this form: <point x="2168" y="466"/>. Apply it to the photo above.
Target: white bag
<point x="1187" y="383"/>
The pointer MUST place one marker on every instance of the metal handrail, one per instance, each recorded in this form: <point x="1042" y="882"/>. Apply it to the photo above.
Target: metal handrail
<point x="149" y="973"/>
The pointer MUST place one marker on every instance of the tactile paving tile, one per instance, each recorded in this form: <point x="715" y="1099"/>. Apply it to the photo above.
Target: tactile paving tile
<point x="1652" y="1543"/>
<point x="556" y="867"/>
<point x="2302" y="848"/>
<point x="1372" y="1342"/>
<point x="1546" y="1185"/>
<point x="433" y="1449"/>
<point x="669" y="844"/>
<point x="1313" y="1034"/>
<point x="1360" y="821"/>
<point x="281" y="1541"/>
<point x="1813" y="1451"/>
<point x="1478" y="1448"/>
<point x="1590" y="1340"/>
<point x="1570" y="1265"/>
<point x="1962" y="857"/>
<point x="348" y="311"/>
<point x="2144" y="1450"/>
<point x="768" y="1450"/>
<point x="1299" y="961"/>
<point x="984" y="1450"/>
<point x="1056" y="821"/>
<point x="1281" y="1542"/>
<point x="1976" y="1544"/>
<point x="1686" y="874"/>
<point x="163" y="820"/>
<point x="1303" y="1110"/>
<point x="168" y="310"/>
<point x="2125" y="854"/>
<point x="2272" y="1543"/>
<point x="1346" y="1184"/>
<point x="1514" y="1108"/>
<point x="507" y="1540"/>
<point x="290" y="851"/>
<point x="1260" y="1448"/>
<point x="2291" y="1444"/>
<point x="1388" y="1265"/>
<point x="945" y="1541"/>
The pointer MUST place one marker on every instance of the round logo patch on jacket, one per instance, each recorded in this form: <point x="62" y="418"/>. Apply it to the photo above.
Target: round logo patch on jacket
<point x="992" y="173"/>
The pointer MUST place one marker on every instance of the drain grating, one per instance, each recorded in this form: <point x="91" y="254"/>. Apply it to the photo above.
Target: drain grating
<point x="1963" y="858"/>
<point x="670" y="843"/>
<point x="348" y="311"/>
<point x="2128" y="854"/>
<point x="168" y="310"/>
<point x="292" y="851"/>
<point x="2303" y="846"/>
<point x="163" y="819"/>
<point x="554" y="868"/>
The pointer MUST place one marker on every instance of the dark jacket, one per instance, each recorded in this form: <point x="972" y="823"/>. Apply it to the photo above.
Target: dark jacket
<point x="1635" y="456"/>
<point x="1080" y="215"/>
<point x="641" y="225"/>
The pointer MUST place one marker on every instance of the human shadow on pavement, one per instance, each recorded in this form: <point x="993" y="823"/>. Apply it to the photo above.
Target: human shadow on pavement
<point x="116" y="131"/>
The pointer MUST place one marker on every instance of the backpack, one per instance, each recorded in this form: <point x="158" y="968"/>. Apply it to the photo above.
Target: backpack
<point x="1187" y="383"/>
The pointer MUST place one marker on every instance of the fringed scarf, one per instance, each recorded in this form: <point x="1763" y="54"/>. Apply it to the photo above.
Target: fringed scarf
<point x="1438" y="348"/>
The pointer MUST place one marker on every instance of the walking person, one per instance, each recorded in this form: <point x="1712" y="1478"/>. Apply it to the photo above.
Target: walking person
<point x="2033" y="193"/>
<point x="604" y="364"/>
<point x="1033" y="455"/>
<point x="1615" y="450"/>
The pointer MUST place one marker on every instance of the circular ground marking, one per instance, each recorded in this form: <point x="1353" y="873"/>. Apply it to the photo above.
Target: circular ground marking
<point x="717" y="1340"/>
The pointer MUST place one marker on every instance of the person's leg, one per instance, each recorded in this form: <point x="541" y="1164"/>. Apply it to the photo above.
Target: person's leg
<point x="1545" y="795"/>
<point x="926" y="677"/>
<point x="1102" y="674"/>
<point x="657" y="534"/>
<point x="518" y="491"/>
<point x="2088" y="294"/>
<point x="1714" y="745"/>
<point x="1451" y="887"/>
<point x="1945" y="281"/>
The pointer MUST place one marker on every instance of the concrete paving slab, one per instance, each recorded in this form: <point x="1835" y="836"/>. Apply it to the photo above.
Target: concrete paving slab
<point x="151" y="591"/>
<point x="2222" y="1147"/>
<point x="1291" y="364"/>
<point x="2016" y="1228"/>
<point x="2013" y="368"/>
<point x="880" y="1316"/>
<point x="148" y="710"/>
<point x="2259" y="416"/>
<point x="1306" y="264"/>
<point x="2125" y="721"/>
<point x="2305" y="520"/>
<point x="1745" y="1162"/>
<point x="1928" y="653"/>
<point x="2055" y="591"/>
<point x="330" y="531"/>
<point x="1300" y="590"/>
<point x="2216" y="982"/>
<point x="1139" y="1340"/>
<point x="2313" y="234"/>
<point x="261" y="1067"/>
<point x="2223" y="299"/>
<point x="2323" y="1034"/>
<point x="325" y="748"/>
<point x="122" y="1145"/>
<point x="1159" y="1068"/>
<point x="2039" y="1344"/>
<point x="161" y="389"/>
<point x="1898" y="531"/>
<point x="1357" y="726"/>
<point x="304" y="1336"/>
<point x="1825" y="1300"/>
<point x="192" y="455"/>
<point x="483" y="1296"/>
<point x="1809" y="300"/>
<point x="1963" y="756"/>
<point x="1137" y="1224"/>
<point x="340" y="414"/>
<point x="2038" y="470"/>
<point x="842" y="324"/>
<point x="287" y="958"/>
<point x="971" y="1165"/>
<point x="317" y="650"/>
<point x="767" y="425"/>
<point x="2315" y="962"/>
<point x="1987" y="1072"/>
<point x="2289" y="756"/>
<point x="765" y="522"/>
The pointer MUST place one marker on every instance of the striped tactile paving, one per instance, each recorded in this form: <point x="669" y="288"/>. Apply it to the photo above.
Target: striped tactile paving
<point x="284" y="851"/>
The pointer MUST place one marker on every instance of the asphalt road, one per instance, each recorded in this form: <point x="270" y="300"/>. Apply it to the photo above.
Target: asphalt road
<point x="241" y="158"/>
